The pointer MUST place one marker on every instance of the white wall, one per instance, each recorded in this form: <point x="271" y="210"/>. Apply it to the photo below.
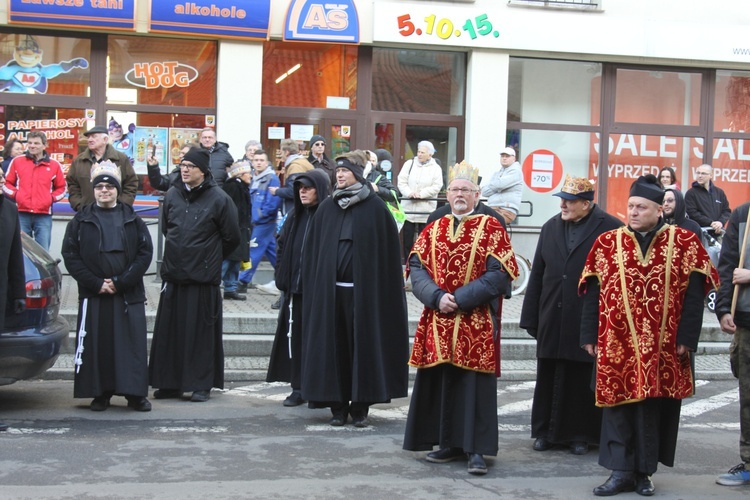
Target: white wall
<point x="486" y="109"/>
<point x="239" y="84"/>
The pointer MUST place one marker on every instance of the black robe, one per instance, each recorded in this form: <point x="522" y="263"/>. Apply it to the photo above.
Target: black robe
<point x="377" y="362"/>
<point x="110" y="243"/>
<point x="563" y="410"/>
<point x="285" y="362"/>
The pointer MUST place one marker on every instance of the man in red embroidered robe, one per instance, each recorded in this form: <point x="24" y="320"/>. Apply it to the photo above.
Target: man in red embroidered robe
<point x="460" y="265"/>
<point x="643" y="312"/>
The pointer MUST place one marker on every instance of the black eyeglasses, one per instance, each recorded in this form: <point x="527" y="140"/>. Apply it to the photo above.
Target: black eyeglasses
<point x="188" y="165"/>
<point x="319" y="144"/>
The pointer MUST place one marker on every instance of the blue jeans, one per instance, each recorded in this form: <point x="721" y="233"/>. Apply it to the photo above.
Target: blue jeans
<point x="230" y="272"/>
<point x="38" y="226"/>
<point x="265" y="238"/>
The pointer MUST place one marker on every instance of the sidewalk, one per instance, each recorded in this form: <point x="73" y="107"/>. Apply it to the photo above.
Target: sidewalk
<point x="249" y="327"/>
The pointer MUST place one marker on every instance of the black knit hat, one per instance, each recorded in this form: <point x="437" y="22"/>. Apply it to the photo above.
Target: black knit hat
<point x="200" y="158"/>
<point x="647" y="186"/>
<point x="357" y="170"/>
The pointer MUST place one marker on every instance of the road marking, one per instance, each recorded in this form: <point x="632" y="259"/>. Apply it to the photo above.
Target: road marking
<point x="341" y="428"/>
<point x="517" y="407"/>
<point x="714" y="402"/>
<point x="27" y="430"/>
<point x="193" y="430"/>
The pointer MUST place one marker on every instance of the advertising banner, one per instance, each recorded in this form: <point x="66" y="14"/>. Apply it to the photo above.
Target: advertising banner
<point x="92" y="14"/>
<point x="322" y="21"/>
<point x="243" y="19"/>
<point x="150" y="141"/>
<point x="178" y="137"/>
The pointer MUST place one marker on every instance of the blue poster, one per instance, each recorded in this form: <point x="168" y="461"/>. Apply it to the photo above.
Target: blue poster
<point x="216" y="18"/>
<point x="322" y="21"/>
<point x="96" y="14"/>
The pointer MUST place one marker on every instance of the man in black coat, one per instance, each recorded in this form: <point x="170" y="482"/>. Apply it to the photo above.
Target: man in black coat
<point x="319" y="159"/>
<point x="200" y="225"/>
<point x="12" y="277"/>
<point x="563" y="411"/>
<point x="355" y="337"/>
<point x="221" y="160"/>
<point x="107" y="249"/>
<point x="706" y="203"/>
<point x="310" y="189"/>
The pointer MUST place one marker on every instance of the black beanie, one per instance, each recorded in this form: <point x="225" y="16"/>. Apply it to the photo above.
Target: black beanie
<point x="647" y="186"/>
<point x="357" y="170"/>
<point x="200" y="158"/>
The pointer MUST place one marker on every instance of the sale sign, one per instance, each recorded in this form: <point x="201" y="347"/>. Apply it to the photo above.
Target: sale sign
<point x="542" y="170"/>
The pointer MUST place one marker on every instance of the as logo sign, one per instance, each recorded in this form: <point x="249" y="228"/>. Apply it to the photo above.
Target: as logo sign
<point x="161" y="75"/>
<point x="322" y="21"/>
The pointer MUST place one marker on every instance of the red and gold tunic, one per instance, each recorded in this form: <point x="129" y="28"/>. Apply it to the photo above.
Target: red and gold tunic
<point x="453" y="258"/>
<point x="640" y="305"/>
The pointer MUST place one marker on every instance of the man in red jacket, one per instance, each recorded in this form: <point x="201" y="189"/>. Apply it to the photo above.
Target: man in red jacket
<point x="35" y="182"/>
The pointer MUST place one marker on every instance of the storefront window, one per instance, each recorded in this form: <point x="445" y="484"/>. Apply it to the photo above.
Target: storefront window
<point x="658" y="97"/>
<point x="546" y="157"/>
<point x="62" y="126"/>
<point x="418" y="81"/>
<point x="309" y="75"/>
<point x="535" y="87"/>
<point x="731" y="163"/>
<point x="732" y="101"/>
<point x="161" y="71"/>
<point x="33" y="64"/>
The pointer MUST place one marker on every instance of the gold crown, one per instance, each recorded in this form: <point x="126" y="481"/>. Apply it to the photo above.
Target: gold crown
<point x="577" y="185"/>
<point x="463" y="170"/>
<point x="105" y="168"/>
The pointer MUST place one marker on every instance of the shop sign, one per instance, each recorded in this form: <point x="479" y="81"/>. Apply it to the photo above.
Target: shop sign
<point x="94" y="14"/>
<point x="542" y="170"/>
<point x="165" y="75"/>
<point x="243" y="19"/>
<point x="322" y="21"/>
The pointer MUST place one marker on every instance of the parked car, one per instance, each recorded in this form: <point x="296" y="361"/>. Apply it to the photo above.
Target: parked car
<point x="30" y="342"/>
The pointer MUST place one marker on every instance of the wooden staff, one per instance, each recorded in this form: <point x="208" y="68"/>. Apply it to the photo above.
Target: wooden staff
<point x="741" y="264"/>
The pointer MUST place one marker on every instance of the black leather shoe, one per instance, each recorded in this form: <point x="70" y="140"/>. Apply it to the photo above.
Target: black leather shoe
<point x="277" y="304"/>
<point x="100" y="403"/>
<point x="294" y="399"/>
<point x="476" y="464"/>
<point x="233" y="296"/>
<point x="359" y="417"/>
<point x="241" y="287"/>
<point x="200" y="396"/>
<point x="541" y="444"/>
<point x="643" y="484"/>
<point x="338" y="417"/>
<point x="619" y="482"/>
<point x="139" y="404"/>
<point x="445" y="455"/>
<point x="167" y="394"/>
<point x="579" y="448"/>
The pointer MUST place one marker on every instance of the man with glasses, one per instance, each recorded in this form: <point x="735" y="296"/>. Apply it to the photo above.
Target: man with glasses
<point x="706" y="203"/>
<point x="201" y="229"/>
<point x="460" y="266"/>
<point x="107" y="250"/>
<point x="160" y="181"/>
<point x="35" y="181"/>
<point x="319" y="159"/>
<point x="221" y="160"/>
<point x="80" y="190"/>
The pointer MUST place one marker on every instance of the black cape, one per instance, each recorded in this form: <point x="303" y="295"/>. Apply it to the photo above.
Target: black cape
<point x="381" y="339"/>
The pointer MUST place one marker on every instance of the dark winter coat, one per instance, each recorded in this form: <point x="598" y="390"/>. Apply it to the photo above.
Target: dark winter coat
<point x="80" y="190"/>
<point x="12" y="274"/>
<point x="551" y="310"/>
<point x="239" y="192"/>
<point x="81" y="246"/>
<point x="201" y="229"/>
<point x="326" y="164"/>
<point x="705" y="206"/>
<point x="220" y="161"/>
<point x="728" y="262"/>
<point x="163" y="182"/>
